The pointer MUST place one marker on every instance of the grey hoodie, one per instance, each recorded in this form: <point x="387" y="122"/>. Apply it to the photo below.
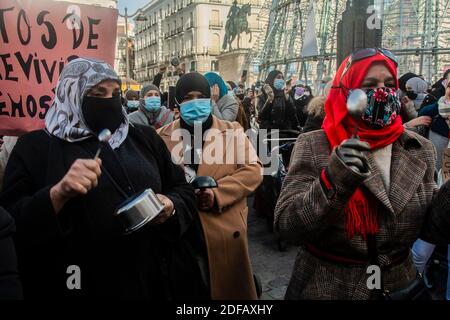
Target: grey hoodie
<point x="226" y="108"/>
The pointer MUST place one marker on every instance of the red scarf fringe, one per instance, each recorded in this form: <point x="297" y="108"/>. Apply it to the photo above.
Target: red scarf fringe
<point x="361" y="214"/>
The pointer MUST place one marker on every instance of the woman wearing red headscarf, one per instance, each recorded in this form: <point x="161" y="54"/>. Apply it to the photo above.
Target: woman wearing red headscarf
<point x="356" y="202"/>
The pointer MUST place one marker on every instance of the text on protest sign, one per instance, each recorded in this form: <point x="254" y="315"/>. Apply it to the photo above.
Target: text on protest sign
<point x="37" y="38"/>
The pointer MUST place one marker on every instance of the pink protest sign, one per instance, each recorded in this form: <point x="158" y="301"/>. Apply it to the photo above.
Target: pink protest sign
<point x="37" y="38"/>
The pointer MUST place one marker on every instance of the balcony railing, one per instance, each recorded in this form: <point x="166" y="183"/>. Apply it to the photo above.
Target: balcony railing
<point x="256" y="3"/>
<point x="190" y="51"/>
<point x="215" y="24"/>
<point x="214" y="51"/>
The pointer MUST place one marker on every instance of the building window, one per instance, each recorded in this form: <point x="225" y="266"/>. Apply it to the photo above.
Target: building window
<point x="193" y="66"/>
<point x="191" y="20"/>
<point x="215" y="17"/>
<point x="214" y="44"/>
<point x="214" y="65"/>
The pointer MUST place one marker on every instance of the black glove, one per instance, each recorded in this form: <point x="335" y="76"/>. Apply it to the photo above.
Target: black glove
<point x="350" y="152"/>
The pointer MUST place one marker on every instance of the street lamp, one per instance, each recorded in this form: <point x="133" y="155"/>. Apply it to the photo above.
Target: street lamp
<point x="140" y="17"/>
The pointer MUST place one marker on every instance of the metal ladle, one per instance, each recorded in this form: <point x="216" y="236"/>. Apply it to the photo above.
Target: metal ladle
<point x="356" y="104"/>
<point x="103" y="136"/>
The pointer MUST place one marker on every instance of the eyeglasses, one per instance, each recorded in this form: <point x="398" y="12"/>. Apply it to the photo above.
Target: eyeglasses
<point x="365" y="53"/>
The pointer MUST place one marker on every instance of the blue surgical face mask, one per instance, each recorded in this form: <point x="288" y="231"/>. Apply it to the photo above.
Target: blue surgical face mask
<point x="279" y="84"/>
<point x="133" y="104"/>
<point x="197" y="110"/>
<point x="152" y="104"/>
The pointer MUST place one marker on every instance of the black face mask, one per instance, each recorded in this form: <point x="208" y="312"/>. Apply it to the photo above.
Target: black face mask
<point x="411" y="94"/>
<point x="102" y="113"/>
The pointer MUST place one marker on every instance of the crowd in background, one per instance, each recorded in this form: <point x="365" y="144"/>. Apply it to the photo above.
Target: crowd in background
<point x="62" y="198"/>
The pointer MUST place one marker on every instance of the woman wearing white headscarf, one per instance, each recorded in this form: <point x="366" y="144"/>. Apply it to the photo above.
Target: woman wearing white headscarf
<point x="63" y="202"/>
<point x="416" y="91"/>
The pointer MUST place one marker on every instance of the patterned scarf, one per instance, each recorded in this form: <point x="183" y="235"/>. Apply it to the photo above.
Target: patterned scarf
<point x="65" y="118"/>
<point x="362" y="207"/>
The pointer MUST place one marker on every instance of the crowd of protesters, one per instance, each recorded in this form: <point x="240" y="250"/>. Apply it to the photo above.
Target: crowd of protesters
<point x="357" y="192"/>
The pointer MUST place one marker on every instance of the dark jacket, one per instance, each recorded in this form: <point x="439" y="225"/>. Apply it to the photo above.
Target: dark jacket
<point x="157" y="79"/>
<point x="273" y="118"/>
<point x="437" y="91"/>
<point x="439" y="125"/>
<point x="156" y="262"/>
<point x="437" y="227"/>
<point x="10" y="287"/>
<point x="308" y="213"/>
<point x="301" y="108"/>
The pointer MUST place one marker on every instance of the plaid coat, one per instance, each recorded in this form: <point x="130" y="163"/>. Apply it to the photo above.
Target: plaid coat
<point x="305" y="214"/>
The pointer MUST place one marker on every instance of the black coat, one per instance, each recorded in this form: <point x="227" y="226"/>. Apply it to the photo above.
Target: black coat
<point x="300" y="108"/>
<point x="437" y="91"/>
<point x="313" y="123"/>
<point x="277" y="118"/>
<point x="437" y="226"/>
<point x="10" y="287"/>
<point x="157" y="262"/>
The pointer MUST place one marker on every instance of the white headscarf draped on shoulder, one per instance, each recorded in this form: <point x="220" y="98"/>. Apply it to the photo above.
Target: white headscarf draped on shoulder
<point x="65" y="118"/>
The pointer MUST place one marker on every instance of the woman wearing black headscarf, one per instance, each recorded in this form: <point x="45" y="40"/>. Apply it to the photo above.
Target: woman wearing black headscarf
<point x="227" y="155"/>
<point x="63" y="200"/>
<point x="276" y="110"/>
<point x="302" y="95"/>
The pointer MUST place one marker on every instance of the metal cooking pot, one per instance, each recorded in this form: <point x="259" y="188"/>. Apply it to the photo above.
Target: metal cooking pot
<point x="137" y="211"/>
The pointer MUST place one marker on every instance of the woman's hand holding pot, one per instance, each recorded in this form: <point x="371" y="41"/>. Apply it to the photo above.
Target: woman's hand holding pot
<point x="169" y="210"/>
<point x="205" y="199"/>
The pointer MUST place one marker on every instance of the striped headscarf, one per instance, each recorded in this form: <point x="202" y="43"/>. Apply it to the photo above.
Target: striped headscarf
<point x="65" y="117"/>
